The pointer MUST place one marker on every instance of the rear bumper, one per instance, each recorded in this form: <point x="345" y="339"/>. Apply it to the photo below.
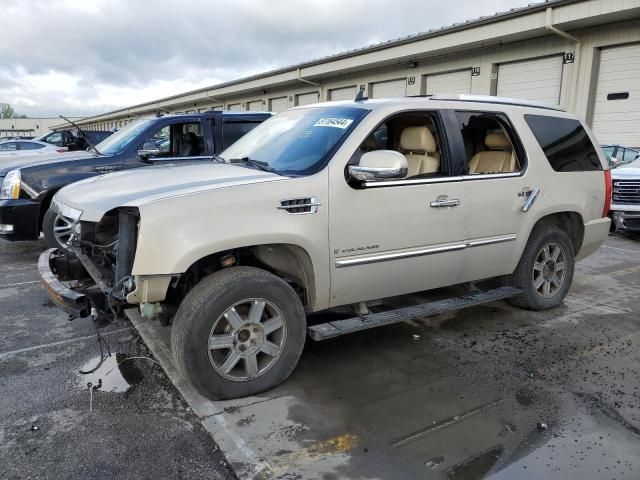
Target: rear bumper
<point x="73" y="303"/>
<point x="19" y="220"/>
<point x="595" y="233"/>
<point x="626" y="221"/>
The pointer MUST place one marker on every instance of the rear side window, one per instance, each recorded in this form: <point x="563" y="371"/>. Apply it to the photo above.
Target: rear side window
<point x="234" y="131"/>
<point x="565" y="143"/>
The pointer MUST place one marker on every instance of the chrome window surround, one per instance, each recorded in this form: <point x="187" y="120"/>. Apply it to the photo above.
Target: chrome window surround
<point x="420" y="181"/>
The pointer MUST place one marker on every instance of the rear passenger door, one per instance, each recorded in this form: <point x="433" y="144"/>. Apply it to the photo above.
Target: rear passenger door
<point x="233" y="130"/>
<point x="497" y="185"/>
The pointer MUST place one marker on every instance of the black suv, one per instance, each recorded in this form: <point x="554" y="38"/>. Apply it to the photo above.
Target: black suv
<point x="27" y="187"/>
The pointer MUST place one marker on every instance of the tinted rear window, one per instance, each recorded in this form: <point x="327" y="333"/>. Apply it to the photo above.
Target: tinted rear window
<point x="565" y="143"/>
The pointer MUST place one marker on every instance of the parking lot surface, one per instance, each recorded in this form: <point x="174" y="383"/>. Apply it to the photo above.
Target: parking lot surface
<point x="488" y="392"/>
<point x="139" y="426"/>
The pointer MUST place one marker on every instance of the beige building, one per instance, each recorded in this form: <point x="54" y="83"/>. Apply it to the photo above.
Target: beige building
<point x="581" y="54"/>
<point x="29" y="127"/>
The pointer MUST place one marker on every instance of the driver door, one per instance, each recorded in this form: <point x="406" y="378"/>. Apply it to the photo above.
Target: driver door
<point x="175" y="141"/>
<point x="399" y="236"/>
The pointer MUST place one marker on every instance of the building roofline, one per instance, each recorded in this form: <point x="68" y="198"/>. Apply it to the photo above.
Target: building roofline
<point x="435" y="32"/>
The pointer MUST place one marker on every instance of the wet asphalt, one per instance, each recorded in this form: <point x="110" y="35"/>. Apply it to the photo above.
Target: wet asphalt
<point x="138" y="426"/>
<point x="488" y="392"/>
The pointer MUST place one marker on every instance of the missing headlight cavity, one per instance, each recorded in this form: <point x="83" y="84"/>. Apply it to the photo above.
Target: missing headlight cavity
<point x="618" y="96"/>
<point x="127" y="236"/>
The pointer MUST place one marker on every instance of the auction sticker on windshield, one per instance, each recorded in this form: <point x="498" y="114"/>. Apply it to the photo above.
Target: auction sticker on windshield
<point x="335" y="122"/>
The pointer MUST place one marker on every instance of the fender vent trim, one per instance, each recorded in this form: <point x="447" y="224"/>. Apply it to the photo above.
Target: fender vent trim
<point x="300" y="206"/>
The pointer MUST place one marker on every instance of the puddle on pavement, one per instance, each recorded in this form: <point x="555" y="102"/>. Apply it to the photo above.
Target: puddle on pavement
<point x="117" y="373"/>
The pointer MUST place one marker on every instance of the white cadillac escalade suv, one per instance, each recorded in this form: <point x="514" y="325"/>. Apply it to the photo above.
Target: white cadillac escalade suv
<point x="332" y="207"/>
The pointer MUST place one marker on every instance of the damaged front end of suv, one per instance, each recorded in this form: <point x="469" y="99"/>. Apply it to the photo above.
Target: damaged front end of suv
<point x="92" y="275"/>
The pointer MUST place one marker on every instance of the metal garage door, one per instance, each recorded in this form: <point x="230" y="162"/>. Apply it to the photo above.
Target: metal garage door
<point x="616" y="113"/>
<point x="537" y="79"/>
<point x="453" y="82"/>
<point x="392" y="88"/>
<point x="307" y="98"/>
<point x="234" y="106"/>
<point x="255" y="106"/>
<point x="346" y="93"/>
<point x="278" y="104"/>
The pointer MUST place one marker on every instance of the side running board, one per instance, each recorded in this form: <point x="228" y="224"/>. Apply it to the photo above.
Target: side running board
<point x="337" y="328"/>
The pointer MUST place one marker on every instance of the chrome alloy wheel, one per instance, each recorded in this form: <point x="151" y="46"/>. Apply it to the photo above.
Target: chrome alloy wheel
<point x="63" y="229"/>
<point x="549" y="270"/>
<point x="247" y="339"/>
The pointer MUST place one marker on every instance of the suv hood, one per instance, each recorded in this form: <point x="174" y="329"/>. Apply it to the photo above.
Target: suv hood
<point x="626" y="171"/>
<point x="19" y="161"/>
<point x="97" y="195"/>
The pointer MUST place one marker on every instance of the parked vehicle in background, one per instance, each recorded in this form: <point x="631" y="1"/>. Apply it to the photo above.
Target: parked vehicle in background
<point x="28" y="186"/>
<point x="334" y="205"/>
<point x="28" y="147"/>
<point x="618" y="155"/>
<point x="625" y="205"/>
<point x="73" y="140"/>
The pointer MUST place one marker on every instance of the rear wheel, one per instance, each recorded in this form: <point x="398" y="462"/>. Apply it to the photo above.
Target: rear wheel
<point x="238" y="332"/>
<point x="545" y="270"/>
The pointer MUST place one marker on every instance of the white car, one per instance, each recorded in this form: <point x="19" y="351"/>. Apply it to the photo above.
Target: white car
<point x="335" y="206"/>
<point x="12" y="148"/>
<point x="625" y="205"/>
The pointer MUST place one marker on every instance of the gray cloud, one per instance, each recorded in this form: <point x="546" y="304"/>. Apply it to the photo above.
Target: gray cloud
<point x="79" y="57"/>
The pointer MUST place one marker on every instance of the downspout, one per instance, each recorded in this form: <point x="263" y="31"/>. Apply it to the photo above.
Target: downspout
<point x="573" y="98"/>
<point x="309" y="82"/>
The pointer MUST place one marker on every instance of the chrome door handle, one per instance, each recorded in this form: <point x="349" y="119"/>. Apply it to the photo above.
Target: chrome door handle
<point x="531" y="198"/>
<point x="454" y="202"/>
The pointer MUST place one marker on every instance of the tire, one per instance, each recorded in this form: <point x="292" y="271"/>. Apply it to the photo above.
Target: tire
<point x="207" y="314"/>
<point x="533" y="269"/>
<point x="48" y="223"/>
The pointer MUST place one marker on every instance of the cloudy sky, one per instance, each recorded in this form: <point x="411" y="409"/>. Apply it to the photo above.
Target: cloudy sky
<point x="82" y="57"/>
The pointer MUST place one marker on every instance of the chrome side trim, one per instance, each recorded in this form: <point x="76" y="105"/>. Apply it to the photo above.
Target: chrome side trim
<point x="421" y="251"/>
<point x="395" y="255"/>
<point x="481" y="242"/>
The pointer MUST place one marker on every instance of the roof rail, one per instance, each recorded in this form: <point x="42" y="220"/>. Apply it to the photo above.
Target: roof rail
<point x="498" y="100"/>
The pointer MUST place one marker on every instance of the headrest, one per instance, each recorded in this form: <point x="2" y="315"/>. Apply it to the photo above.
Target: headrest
<point x="417" y="139"/>
<point x="498" y="141"/>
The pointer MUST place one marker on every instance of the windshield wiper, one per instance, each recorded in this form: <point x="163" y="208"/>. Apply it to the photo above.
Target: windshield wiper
<point x="264" y="166"/>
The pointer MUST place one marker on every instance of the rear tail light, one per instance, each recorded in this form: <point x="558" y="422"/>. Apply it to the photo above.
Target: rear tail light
<point x="62" y="150"/>
<point x="607" y="193"/>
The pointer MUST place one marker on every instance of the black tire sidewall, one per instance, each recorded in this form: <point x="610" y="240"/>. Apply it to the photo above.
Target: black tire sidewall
<point x="524" y="273"/>
<point x="47" y="229"/>
<point x="210" y="299"/>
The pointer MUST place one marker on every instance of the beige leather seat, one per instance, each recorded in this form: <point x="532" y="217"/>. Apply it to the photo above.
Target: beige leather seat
<point x="498" y="159"/>
<point x="418" y="146"/>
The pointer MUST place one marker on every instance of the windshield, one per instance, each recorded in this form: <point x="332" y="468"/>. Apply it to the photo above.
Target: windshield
<point x="297" y="142"/>
<point x="115" y="143"/>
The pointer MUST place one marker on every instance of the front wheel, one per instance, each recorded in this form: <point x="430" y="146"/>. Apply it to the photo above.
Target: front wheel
<point x="545" y="270"/>
<point x="57" y="230"/>
<point x="240" y="331"/>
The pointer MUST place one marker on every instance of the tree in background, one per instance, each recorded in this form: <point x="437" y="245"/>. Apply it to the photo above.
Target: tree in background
<point x="7" y="111"/>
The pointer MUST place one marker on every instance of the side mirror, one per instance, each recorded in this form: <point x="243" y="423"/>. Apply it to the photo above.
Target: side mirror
<point x="379" y="165"/>
<point x="144" y="154"/>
